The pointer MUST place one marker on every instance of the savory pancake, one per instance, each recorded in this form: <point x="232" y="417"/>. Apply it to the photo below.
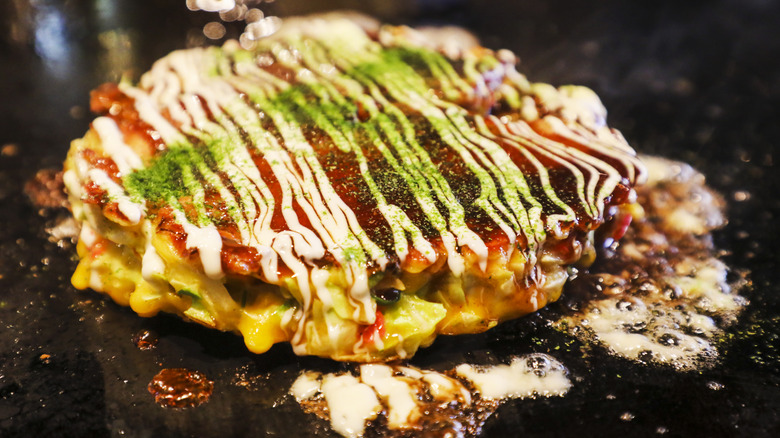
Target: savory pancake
<point x="352" y="189"/>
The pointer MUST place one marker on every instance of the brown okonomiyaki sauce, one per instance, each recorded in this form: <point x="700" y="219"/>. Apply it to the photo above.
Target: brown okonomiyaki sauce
<point x="180" y="388"/>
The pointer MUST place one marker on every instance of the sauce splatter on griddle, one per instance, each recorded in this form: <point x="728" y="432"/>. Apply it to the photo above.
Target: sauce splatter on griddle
<point x="180" y="388"/>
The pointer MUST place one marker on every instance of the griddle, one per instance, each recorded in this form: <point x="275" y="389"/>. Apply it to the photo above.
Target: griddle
<point x="697" y="81"/>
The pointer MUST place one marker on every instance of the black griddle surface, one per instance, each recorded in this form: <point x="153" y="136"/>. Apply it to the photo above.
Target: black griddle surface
<point x="697" y="81"/>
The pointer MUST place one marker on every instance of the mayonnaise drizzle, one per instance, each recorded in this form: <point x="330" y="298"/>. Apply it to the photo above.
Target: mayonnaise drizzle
<point x="116" y="193"/>
<point x="152" y="265"/>
<point x="113" y="144"/>
<point x="207" y="241"/>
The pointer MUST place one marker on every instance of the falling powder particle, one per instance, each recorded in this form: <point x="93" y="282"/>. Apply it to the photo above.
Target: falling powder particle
<point x="258" y="26"/>
<point x="214" y="30"/>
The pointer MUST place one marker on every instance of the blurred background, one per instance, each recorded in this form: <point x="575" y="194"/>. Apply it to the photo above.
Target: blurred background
<point x="697" y="81"/>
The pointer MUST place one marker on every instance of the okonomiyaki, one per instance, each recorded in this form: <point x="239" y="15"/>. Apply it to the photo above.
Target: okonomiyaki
<point x="349" y="188"/>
